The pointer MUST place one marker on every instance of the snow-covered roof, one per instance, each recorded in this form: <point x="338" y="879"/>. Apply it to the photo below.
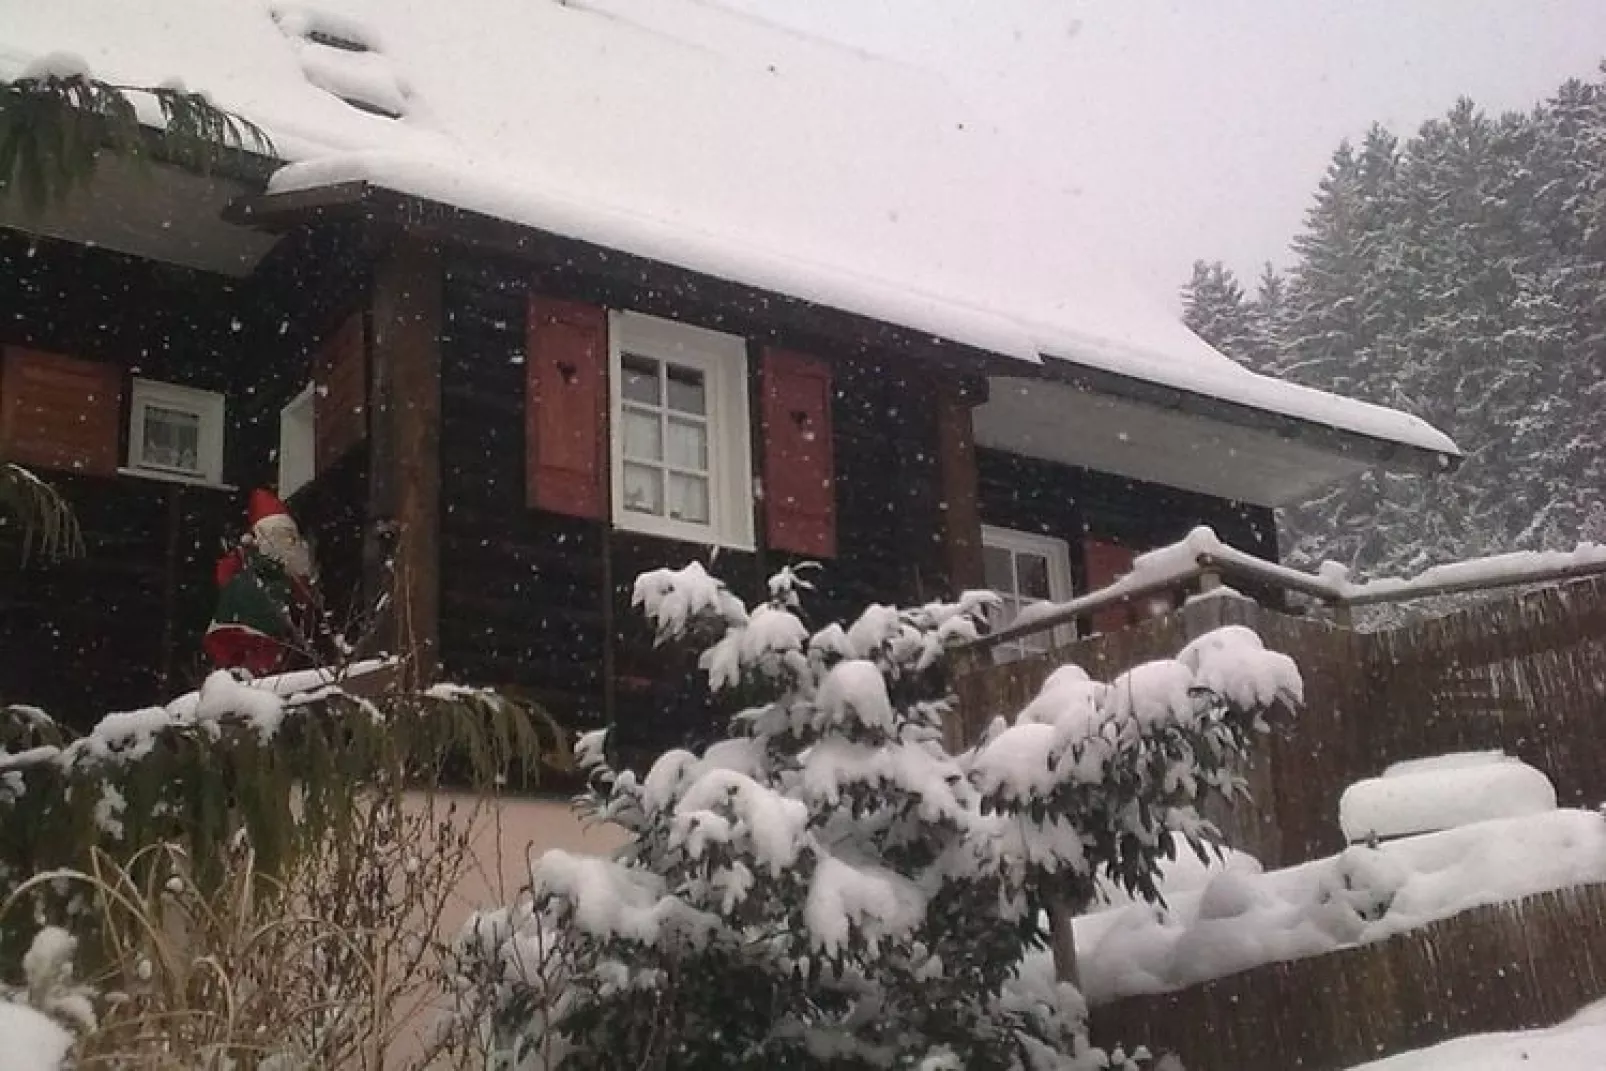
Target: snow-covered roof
<point x="685" y="132"/>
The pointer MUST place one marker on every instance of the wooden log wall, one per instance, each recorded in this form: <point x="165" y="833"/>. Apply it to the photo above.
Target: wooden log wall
<point x="1515" y="966"/>
<point x="541" y="602"/>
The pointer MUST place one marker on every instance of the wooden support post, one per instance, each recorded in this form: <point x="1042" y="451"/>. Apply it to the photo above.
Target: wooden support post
<point x="960" y="503"/>
<point x="960" y="510"/>
<point x="405" y="465"/>
<point x="1062" y="937"/>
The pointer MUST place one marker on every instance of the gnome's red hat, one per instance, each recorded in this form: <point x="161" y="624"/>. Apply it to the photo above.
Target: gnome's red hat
<point x="262" y="505"/>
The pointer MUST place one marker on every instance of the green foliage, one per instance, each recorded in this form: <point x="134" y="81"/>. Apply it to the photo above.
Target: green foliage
<point x="45" y="520"/>
<point x="53" y="131"/>
<point x="830" y="887"/>
<point x="240" y="770"/>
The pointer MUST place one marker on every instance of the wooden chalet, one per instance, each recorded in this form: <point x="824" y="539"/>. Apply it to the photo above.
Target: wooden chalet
<point x="528" y="405"/>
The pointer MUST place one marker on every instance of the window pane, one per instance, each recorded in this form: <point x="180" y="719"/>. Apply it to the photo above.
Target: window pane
<point x="172" y="439"/>
<point x="688" y="442"/>
<point x="1032" y="570"/>
<point x="643" y="436"/>
<point x="686" y="391"/>
<point x="688" y="498"/>
<point x="644" y="490"/>
<point x="996" y="571"/>
<point x="640" y="379"/>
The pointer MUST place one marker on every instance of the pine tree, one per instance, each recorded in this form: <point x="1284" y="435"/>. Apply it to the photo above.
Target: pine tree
<point x="1269" y="323"/>
<point x="1459" y="275"/>
<point x="54" y="128"/>
<point x="1213" y="306"/>
<point x="830" y="887"/>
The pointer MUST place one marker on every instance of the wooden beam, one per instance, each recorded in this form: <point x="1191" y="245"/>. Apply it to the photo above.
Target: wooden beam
<point x="405" y="466"/>
<point x="960" y="504"/>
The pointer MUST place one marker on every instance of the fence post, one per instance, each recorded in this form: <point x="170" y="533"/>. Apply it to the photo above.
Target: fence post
<point x="966" y="662"/>
<point x="1062" y="936"/>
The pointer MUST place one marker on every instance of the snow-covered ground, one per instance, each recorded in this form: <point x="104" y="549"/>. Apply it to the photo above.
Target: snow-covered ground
<point x="1231" y="916"/>
<point x="1579" y="1044"/>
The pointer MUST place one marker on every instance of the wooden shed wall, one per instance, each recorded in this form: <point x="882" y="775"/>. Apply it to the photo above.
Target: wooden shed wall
<point x="120" y="626"/>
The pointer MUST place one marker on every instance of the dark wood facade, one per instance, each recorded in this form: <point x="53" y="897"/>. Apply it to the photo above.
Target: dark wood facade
<point x="541" y="601"/>
<point x="121" y="626"/>
<point x="421" y="353"/>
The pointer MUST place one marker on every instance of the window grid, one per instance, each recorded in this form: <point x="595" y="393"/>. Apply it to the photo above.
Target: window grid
<point x="691" y="472"/>
<point x="681" y="457"/>
<point x="1024" y="569"/>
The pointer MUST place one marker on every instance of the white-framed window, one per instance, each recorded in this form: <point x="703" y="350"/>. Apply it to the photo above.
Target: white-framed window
<point x="1023" y="568"/>
<point x="297" y="443"/>
<point x="175" y="432"/>
<point x="681" y="443"/>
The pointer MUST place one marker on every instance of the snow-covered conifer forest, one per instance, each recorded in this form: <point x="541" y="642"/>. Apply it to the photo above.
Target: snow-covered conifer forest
<point x="1458" y="273"/>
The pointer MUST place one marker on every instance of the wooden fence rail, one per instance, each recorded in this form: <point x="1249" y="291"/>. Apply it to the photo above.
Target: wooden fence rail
<point x="1524" y="672"/>
<point x="1525" y="964"/>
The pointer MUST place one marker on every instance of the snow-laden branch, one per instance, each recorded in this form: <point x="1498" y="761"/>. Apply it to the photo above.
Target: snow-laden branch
<point x="1202" y="553"/>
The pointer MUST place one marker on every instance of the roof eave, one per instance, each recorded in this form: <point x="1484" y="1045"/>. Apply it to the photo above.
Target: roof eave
<point x="360" y="199"/>
<point x="1374" y="449"/>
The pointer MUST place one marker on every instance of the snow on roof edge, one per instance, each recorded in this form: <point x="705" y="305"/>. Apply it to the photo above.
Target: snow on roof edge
<point x="520" y="200"/>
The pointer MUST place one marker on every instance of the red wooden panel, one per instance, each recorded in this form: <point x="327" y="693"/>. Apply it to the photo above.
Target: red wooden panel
<point x="799" y="467"/>
<point x="340" y="395"/>
<point x="1105" y="563"/>
<point x="566" y="408"/>
<point x="60" y="412"/>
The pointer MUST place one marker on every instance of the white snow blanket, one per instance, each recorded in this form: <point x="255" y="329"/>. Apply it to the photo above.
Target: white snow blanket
<point x="1239" y="919"/>
<point x="29" y="1040"/>
<point x="685" y="132"/>
<point x="1427" y="795"/>
<point x="1579" y="1044"/>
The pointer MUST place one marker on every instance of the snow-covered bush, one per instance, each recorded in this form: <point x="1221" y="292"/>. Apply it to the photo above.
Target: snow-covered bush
<point x="39" y="1016"/>
<point x="257" y="869"/>
<point x="829" y="887"/>
<point x="288" y="769"/>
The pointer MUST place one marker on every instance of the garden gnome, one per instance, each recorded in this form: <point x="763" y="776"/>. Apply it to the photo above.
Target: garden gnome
<point x="266" y="592"/>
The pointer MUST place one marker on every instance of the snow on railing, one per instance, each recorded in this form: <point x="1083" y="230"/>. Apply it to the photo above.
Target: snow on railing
<point x="1201" y="556"/>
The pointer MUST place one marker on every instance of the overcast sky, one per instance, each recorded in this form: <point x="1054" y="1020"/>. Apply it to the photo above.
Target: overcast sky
<point x="1198" y="128"/>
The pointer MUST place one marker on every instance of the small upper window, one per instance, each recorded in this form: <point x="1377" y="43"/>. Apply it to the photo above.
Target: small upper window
<point x="1024" y="569"/>
<point x="297" y="442"/>
<point x="175" y="432"/>
<point x="681" y="453"/>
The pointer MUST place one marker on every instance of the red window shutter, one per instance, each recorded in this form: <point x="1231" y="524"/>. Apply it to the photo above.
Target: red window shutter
<point x="566" y="408"/>
<point x="799" y="470"/>
<point x="1105" y="564"/>
<point x="340" y="394"/>
<point x="60" y="412"/>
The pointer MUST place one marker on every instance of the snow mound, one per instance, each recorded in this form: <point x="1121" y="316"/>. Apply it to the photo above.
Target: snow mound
<point x="1575" y="1045"/>
<point x="1426" y="795"/>
<point x="30" y="1041"/>
<point x="1237" y="919"/>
